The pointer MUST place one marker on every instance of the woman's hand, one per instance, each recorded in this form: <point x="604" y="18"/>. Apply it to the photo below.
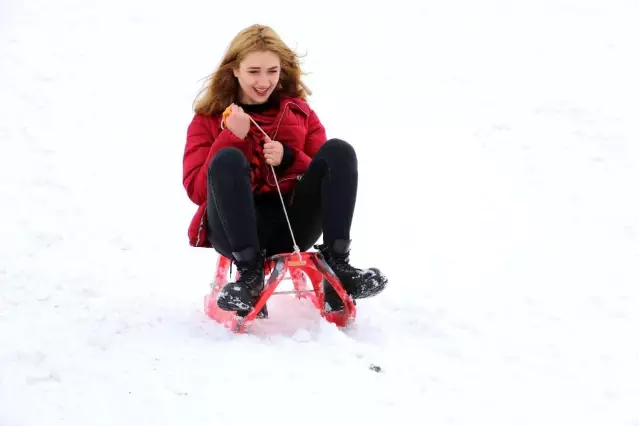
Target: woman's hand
<point x="238" y="122"/>
<point x="273" y="152"/>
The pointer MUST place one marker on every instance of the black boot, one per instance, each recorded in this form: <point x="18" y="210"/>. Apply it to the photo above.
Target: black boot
<point x="241" y="295"/>
<point x="358" y="283"/>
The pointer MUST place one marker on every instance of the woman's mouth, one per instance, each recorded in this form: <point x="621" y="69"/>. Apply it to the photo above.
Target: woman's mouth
<point x="260" y="92"/>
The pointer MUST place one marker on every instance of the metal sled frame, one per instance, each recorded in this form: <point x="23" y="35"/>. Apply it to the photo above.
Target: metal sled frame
<point x="311" y="264"/>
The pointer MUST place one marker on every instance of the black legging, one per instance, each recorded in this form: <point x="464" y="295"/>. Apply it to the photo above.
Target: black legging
<point x="323" y="201"/>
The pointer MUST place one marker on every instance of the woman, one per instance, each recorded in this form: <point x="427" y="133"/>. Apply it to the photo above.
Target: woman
<point x="231" y="165"/>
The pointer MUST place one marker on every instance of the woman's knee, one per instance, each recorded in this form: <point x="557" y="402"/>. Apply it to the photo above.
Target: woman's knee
<point x="227" y="160"/>
<point x="340" y="149"/>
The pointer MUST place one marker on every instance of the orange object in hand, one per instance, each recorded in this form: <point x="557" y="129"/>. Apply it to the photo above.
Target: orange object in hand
<point x="225" y="114"/>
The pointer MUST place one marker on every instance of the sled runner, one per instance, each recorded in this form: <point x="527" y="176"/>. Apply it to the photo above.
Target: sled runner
<point x="299" y="265"/>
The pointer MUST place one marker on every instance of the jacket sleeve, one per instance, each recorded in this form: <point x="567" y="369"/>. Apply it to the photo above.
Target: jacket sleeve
<point x="288" y="158"/>
<point x="316" y="135"/>
<point x="315" y="138"/>
<point x="200" y="148"/>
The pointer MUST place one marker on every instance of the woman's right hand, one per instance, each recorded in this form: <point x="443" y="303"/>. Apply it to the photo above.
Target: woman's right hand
<point x="238" y="122"/>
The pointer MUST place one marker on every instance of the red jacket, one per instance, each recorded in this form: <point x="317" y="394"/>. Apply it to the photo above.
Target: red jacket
<point x="296" y="125"/>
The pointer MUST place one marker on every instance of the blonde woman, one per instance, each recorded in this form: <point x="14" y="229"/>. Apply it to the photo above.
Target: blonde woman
<point x="229" y="162"/>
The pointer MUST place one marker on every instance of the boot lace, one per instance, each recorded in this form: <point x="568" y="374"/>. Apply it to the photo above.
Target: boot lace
<point x="337" y="261"/>
<point x="251" y="275"/>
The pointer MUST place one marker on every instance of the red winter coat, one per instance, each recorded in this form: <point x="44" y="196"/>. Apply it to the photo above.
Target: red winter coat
<point x="296" y="125"/>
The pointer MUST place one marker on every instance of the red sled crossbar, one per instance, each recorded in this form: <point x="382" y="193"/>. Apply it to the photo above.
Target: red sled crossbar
<point x="297" y="264"/>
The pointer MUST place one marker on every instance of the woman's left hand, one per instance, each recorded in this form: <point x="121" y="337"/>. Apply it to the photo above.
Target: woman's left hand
<point x="273" y="152"/>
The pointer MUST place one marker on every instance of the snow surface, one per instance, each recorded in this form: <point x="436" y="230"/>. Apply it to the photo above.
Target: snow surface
<point x="499" y="164"/>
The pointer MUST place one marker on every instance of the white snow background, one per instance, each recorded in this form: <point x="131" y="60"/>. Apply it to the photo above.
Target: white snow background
<point x="498" y="152"/>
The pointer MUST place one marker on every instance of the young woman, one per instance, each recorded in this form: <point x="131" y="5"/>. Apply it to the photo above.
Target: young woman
<point x="231" y="164"/>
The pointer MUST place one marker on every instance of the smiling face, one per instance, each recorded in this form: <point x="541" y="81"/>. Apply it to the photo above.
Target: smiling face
<point x="258" y="75"/>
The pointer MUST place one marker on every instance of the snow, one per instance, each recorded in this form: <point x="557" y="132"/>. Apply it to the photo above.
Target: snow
<point x="498" y="154"/>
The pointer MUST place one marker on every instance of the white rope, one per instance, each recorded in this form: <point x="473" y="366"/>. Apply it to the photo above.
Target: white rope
<point x="290" y="228"/>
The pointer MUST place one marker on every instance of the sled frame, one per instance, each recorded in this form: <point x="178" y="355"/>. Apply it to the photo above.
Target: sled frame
<point x="299" y="265"/>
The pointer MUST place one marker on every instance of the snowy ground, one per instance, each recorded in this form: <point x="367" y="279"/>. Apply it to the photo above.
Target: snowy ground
<point x="499" y="157"/>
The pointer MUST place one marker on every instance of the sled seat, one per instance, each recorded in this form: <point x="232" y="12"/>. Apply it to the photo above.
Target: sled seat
<point x="299" y="266"/>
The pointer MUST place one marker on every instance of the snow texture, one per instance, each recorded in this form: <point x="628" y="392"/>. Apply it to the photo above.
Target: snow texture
<point x="499" y="165"/>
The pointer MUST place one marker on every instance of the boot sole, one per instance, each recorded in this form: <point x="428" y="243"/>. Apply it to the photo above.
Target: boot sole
<point x="373" y="287"/>
<point x="229" y="302"/>
<point x="237" y="303"/>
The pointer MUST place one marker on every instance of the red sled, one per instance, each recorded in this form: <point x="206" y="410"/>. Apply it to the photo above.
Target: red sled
<point x="298" y="265"/>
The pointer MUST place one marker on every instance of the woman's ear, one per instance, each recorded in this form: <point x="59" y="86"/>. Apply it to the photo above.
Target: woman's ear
<point x="236" y="72"/>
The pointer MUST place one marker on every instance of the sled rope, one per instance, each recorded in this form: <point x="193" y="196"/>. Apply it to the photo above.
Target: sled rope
<point x="290" y="228"/>
<point x="226" y="113"/>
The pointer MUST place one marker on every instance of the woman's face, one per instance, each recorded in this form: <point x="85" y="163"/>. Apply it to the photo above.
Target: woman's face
<point x="258" y="76"/>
